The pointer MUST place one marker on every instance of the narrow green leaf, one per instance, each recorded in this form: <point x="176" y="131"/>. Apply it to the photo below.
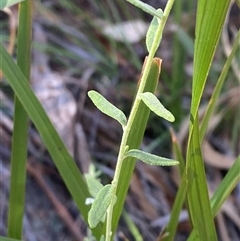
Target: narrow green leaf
<point x="171" y="227"/>
<point x="217" y="89"/>
<point x="197" y="191"/>
<point x="8" y="239"/>
<point x="106" y="107"/>
<point x="20" y="129"/>
<point x="178" y="152"/>
<point x="151" y="33"/>
<point x="8" y="3"/>
<point x="209" y="23"/>
<point x="94" y="186"/>
<point x="152" y="102"/>
<point x="102" y="238"/>
<point x="223" y="191"/>
<point x="150" y="158"/>
<point x="61" y="157"/>
<point x="100" y="205"/>
<point x="175" y="211"/>
<point x="132" y="227"/>
<point x="147" y="8"/>
<point x="186" y="41"/>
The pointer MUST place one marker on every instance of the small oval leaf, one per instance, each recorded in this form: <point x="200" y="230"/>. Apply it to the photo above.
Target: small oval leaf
<point x="100" y="205"/>
<point x="152" y="102"/>
<point x="152" y="32"/>
<point x="94" y="186"/>
<point x="150" y="158"/>
<point x="106" y="107"/>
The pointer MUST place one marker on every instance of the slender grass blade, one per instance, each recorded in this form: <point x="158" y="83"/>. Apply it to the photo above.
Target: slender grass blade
<point x="20" y="129"/>
<point x="61" y="157"/>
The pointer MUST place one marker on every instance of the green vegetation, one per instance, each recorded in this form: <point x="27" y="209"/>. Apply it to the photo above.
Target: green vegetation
<point x="103" y="215"/>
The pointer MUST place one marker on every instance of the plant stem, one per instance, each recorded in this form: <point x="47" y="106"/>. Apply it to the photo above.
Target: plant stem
<point x="20" y="131"/>
<point x="132" y="115"/>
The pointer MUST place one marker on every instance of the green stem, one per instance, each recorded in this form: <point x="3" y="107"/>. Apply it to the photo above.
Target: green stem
<point x="20" y="131"/>
<point x="132" y="115"/>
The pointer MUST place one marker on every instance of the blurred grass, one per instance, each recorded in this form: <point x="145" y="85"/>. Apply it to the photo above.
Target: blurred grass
<point x="102" y="52"/>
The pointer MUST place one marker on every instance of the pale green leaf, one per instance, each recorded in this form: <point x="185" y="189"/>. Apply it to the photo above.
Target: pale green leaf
<point x="152" y="32"/>
<point x="150" y="158"/>
<point x="100" y="205"/>
<point x="94" y="186"/>
<point x="106" y="107"/>
<point x="152" y="102"/>
<point x="8" y="3"/>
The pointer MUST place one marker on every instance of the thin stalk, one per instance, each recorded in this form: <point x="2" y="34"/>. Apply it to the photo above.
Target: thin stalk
<point x="132" y="116"/>
<point x="20" y="131"/>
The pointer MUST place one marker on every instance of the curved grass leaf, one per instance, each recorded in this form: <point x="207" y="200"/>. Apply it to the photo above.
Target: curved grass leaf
<point x="225" y="188"/>
<point x="151" y="33"/>
<point x="8" y="3"/>
<point x="197" y="191"/>
<point x="147" y="8"/>
<point x="209" y="23"/>
<point x="152" y="102"/>
<point x="217" y="88"/>
<point x="210" y="20"/>
<point x="223" y="191"/>
<point x="171" y="227"/>
<point x="132" y="227"/>
<point x="150" y="158"/>
<point x="106" y="107"/>
<point x="8" y="239"/>
<point x="100" y="205"/>
<point x="64" y="162"/>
